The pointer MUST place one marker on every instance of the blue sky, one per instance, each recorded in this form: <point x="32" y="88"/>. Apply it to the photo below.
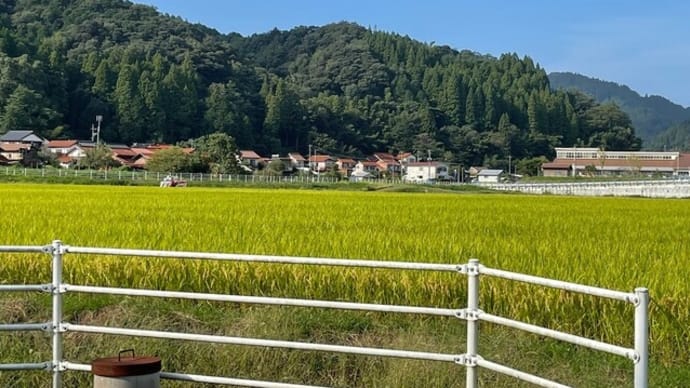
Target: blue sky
<point x="642" y="44"/>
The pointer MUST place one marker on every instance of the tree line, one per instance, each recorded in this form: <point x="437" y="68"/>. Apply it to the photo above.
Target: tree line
<point x="342" y="88"/>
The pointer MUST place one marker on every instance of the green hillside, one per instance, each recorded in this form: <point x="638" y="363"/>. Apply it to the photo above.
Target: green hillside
<point x="343" y="88"/>
<point x="677" y="137"/>
<point x="650" y="115"/>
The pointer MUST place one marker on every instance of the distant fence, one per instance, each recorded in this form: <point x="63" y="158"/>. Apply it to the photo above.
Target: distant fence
<point x="663" y="188"/>
<point x="155" y="177"/>
<point x="472" y="314"/>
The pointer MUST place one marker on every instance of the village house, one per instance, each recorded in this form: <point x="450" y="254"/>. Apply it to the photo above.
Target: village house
<point x="249" y="160"/>
<point x="366" y="167"/>
<point x="489" y="176"/>
<point x="123" y="154"/>
<point x="297" y="161"/>
<point x="144" y="153"/>
<point x="23" y="137"/>
<point x="321" y="163"/>
<point x="426" y="172"/>
<point x="69" y="153"/>
<point x="65" y="161"/>
<point x="405" y="158"/>
<point x="16" y="145"/>
<point x="13" y="153"/>
<point x="286" y="162"/>
<point x="386" y="164"/>
<point x="62" y="147"/>
<point x="345" y="166"/>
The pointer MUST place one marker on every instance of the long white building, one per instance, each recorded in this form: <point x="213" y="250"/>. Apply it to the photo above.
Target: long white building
<point x="588" y="161"/>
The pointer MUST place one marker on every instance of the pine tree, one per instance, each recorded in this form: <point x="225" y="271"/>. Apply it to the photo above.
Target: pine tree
<point x="283" y="117"/>
<point x="129" y="106"/>
<point x="180" y="101"/>
<point x="27" y="110"/>
<point x="470" y="109"/>
<point x="103" y="80"/>
<point x="225" y="113"/>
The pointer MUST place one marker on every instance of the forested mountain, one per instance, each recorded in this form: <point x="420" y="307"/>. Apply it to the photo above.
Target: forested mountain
<point x="677" y="137"/>
<point x="343" y="88"/>
<point x="650" y="115"/>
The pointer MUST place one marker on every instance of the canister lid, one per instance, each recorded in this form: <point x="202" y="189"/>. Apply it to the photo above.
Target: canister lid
<point x="126" y="366"/>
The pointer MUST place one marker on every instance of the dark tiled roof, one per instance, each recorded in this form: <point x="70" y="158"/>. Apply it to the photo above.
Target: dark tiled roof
<point x="15" y="135"/>
<point x="21" y="136"/>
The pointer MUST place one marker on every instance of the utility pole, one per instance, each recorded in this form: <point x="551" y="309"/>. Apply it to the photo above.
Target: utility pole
<point x="428" y="159"/>
<point x="309" y="162"/>
<point x="96" y="131"/>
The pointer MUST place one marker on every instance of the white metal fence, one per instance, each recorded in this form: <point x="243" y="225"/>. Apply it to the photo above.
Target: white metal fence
<point x="678" y="187"/>
<point x="472" y="314"/>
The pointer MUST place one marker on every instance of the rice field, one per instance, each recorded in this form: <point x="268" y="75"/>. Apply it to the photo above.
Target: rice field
<point x="617" y="243"/>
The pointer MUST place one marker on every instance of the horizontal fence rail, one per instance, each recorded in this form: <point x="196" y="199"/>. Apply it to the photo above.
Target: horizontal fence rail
<point x="471" y="314"/>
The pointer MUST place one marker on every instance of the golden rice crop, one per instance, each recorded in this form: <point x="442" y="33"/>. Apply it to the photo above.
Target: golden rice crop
<point x="617" y="243"/>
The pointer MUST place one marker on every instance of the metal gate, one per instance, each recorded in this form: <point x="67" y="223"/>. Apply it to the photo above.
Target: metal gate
<point x="472" y="314"/>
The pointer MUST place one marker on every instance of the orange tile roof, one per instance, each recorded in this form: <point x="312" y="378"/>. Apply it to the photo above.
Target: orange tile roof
<point x="61" y="143"/>
<point x="384" y="156"/>
<point x="143" y="151"/>
<point x="64" y="159"/>
<point x="14" y="147"/>
<point x="388" y="162"/>
<point x="297" y="156"/>
<point x="320" y="158"/>
<point x="124" y="152"/>
<point x="140" y="162"/>
<point x="422" y="164"/>
<point x="248" y="154"/>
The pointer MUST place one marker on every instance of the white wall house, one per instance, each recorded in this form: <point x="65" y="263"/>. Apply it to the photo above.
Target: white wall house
<point x="426" y="172"/>
<point x="489" y="176"/>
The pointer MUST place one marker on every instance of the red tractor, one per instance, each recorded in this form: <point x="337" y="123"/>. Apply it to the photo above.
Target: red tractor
<point x="170" y="181"/>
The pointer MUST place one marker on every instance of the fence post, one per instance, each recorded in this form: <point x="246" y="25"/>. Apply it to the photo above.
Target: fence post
<point x="641" y="337"/>
<point x="472" y="322"/>
<point x="57" y="250"/>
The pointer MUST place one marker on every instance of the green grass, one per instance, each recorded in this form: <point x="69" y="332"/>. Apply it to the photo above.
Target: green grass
<point x="609" y="242"/>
